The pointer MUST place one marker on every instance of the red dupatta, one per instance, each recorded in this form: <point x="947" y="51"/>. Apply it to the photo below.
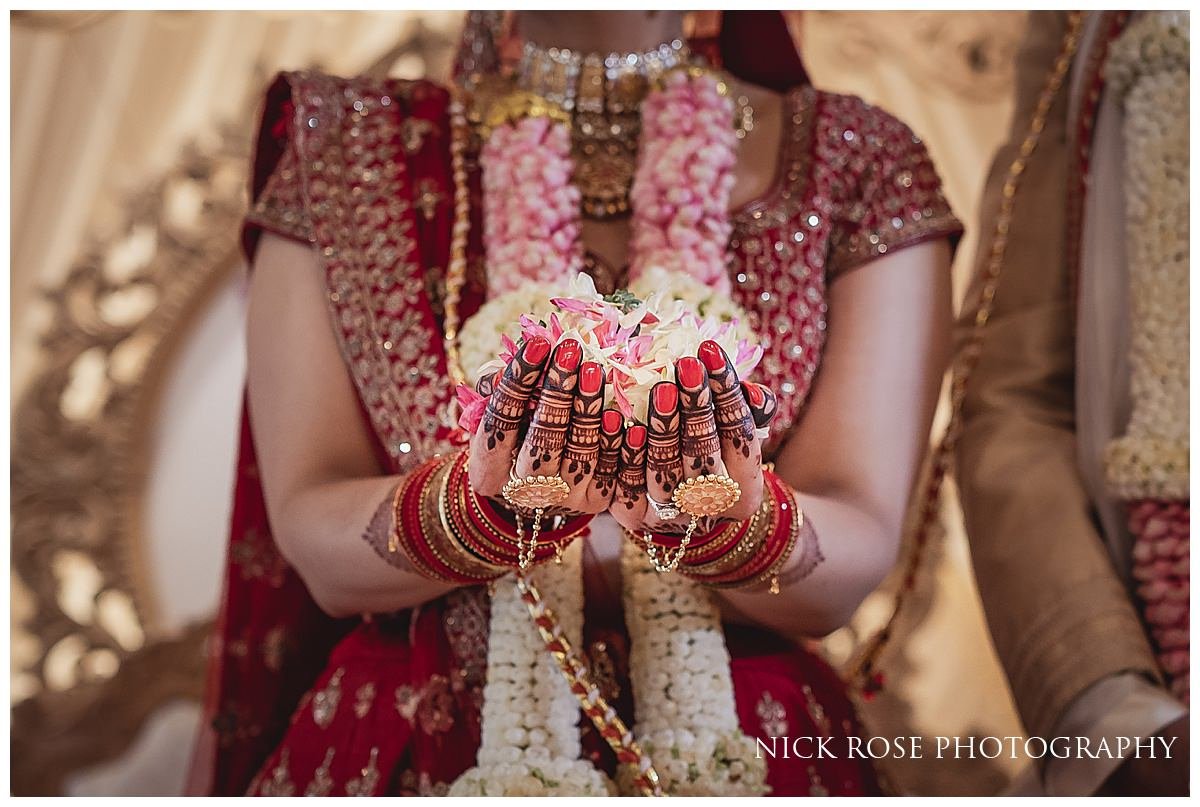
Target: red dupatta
<point x="366" y="163"/>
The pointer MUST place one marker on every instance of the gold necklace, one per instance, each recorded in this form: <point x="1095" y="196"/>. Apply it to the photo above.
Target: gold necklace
<point x="456" y="267"/>
<point x="603" y="94"/>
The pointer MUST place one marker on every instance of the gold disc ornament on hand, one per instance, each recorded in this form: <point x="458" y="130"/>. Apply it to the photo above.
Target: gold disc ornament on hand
<point x="699" y="497"/>
<point x="707" y="495"/>
<point x="535" y="492"/>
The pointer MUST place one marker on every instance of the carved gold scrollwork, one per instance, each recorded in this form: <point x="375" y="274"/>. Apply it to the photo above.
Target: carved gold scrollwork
<point x="90" y="659"/>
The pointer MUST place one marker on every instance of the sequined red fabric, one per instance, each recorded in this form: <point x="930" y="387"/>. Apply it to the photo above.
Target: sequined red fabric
<point x="360" y="169"/>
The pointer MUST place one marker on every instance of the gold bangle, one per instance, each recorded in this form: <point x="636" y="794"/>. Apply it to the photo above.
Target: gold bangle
<point x="733" y="526"/>
<point x="745" y="549"/>
<point x="482" y="568"/>
<point x="393" y="541"/>
<point x="771" y="573"/>
<point x="440" y="537"/>
<point x="793" y="535"/>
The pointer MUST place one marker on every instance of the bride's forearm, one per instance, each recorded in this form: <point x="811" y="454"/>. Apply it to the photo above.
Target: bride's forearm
<point x="841" y="555"/>
<point x="336" y="534"/>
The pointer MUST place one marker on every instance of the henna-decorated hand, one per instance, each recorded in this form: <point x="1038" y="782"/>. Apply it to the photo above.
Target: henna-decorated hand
<point x="703" y="423"/>
<point x="566" y="433"/>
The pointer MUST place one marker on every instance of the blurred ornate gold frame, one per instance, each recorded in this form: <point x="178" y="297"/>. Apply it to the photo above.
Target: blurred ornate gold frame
<point x="80" y="447"/>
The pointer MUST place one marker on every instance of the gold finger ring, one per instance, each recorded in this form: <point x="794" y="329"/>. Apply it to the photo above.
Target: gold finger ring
<point x="707" y="495"/>
<point x="535" y="492"/>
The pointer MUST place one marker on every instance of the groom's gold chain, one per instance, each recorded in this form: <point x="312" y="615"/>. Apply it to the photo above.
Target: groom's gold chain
<point x="862" y="669"/>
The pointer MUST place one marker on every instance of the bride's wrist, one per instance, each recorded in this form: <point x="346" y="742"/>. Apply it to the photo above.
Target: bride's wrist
<point x="496" y="531"/>
<point x="764" y="544"/>
<point x="427" y="532"/>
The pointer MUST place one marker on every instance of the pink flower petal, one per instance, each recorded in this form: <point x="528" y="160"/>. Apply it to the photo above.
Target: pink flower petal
<point x="473" y="406"/>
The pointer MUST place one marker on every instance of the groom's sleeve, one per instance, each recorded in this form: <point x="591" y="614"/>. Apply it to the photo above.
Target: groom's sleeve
<point x="1060" y="618"/>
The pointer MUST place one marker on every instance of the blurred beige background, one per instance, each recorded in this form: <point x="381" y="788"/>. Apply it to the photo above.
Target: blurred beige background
<point x="130" y="135"/>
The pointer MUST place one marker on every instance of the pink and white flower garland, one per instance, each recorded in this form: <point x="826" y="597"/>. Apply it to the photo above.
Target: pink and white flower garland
<point x="530" y="207"/>
<point x="681" y="231"/>
<point x="684" y="180"/>
<point x="1148" y="67"/>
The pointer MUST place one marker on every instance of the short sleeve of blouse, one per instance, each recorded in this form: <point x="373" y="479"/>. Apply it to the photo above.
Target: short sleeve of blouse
<point x="893" y="197"/>
<point x="276" y="191"/>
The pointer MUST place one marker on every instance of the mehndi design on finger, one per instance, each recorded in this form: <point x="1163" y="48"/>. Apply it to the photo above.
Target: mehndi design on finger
<point x="735" y="424"/>
<point x="547" y="435"/>
<point x="506" y="408"/>
<point x="631" y="478"/>
<point x="583" y="440"/>
<point x="488" y="382"/>
<point x="609" y="456"/>
<point x="762" y="401"/>
<point x="700" y="444"/>
<point x="664" y="463"/>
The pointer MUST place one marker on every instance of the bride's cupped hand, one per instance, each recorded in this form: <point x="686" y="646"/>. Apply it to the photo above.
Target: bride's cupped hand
<point x="703" y="423"/>
<point x="545" y="417"/>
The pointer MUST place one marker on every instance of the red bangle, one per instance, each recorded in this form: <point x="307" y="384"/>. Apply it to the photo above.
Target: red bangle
<point x="487" y="531"/>
<point x="714" y="549"/>
<point x="409" y="529"/>
<point x="767" y="553"/>
<point x="778" y="540"/>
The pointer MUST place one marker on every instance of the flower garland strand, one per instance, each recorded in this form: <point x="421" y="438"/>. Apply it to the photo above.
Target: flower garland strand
<point x="1148" y="465"/>
<point x="684" y="179"/>
<point x="682" y="685"/>
<point x="637" y="769"/>
<point x="530" y="207"/>
<point x="530" y="743"/>
<point x="526" y="747"/>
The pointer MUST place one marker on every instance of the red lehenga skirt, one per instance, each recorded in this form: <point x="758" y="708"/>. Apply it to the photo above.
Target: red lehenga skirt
<point x="396" y="710"/>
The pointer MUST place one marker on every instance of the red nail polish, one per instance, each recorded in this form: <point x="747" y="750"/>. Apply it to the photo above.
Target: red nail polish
<point x="756" y="395"/>
<point x="691" y="372"/>
<point x="590" y="377"/>
<point x="611" y="421"/>
<point x="710" y="353"/>
<point x="666" y="395"/>
<point x="636" y="436"/>
<point x="536" y="350"/>
<point x="568" y="355"/>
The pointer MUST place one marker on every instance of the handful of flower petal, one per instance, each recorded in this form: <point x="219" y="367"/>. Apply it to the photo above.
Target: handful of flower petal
<point x="636" y="335"/>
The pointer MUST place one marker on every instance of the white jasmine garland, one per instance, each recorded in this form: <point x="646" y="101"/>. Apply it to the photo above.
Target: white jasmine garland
<point x="500" y="316"/>
<point x="686" y="717"/>
<point x="530" y="743"/>
<point x="1148" y="64"/>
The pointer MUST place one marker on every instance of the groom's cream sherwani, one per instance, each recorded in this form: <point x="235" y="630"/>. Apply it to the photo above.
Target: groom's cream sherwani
<point x="1047" y="542"/>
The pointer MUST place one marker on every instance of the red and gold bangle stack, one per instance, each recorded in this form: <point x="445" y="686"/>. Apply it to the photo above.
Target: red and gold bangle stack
<point x="433" y="550"/>
<point x="453" y="536"/>
<point x="490" y="532"/>
<point x="753" y="554"/>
